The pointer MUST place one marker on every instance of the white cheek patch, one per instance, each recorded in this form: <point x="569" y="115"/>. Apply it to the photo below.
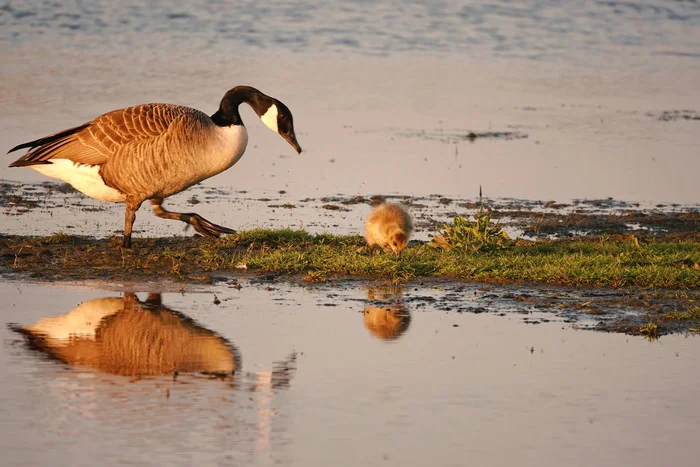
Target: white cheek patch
<point x="270" y="118"/>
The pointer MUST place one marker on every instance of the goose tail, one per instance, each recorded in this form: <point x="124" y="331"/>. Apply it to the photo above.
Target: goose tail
<point x="44" y="145"/>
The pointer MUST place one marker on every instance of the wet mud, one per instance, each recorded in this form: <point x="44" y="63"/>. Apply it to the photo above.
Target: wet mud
<point x="675" y="115"/>
<point x="342" y="214"/>
<point x="457" y="136"/>
<point x="640" y="312"/>
<point x="533" y="220"/>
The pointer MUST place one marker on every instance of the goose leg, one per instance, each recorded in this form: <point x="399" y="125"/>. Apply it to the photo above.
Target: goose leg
<point x="199" y="223"/>
<point x="131" y="207"/>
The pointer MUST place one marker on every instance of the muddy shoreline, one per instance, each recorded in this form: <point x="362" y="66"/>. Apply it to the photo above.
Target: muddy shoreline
<point x="649" y="312"/>
<point x="71" y="212"/>
<point x="635" y="310"/>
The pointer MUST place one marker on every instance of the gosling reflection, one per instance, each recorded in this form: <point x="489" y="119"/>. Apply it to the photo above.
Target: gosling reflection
<point x="387" y="321"/>
<point x="126" y="336"/>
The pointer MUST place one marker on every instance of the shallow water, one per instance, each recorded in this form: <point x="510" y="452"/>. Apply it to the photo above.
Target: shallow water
<point x="603" y="100"/>
<point x="325" y="382"/>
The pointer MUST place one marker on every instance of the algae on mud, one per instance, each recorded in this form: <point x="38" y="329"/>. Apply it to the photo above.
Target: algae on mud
<point x="670" y="262"/>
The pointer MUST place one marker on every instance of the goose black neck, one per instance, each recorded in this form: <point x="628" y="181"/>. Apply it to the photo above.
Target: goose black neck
<point x="228" y="114"/>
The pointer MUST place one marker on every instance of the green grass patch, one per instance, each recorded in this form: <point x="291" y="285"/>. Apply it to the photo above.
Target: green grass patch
<point x="600" y="261"/>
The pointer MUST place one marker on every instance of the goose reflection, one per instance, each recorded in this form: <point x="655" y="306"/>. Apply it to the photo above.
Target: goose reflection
<point x="126" y="336"/>
<point x="388" y="318"/>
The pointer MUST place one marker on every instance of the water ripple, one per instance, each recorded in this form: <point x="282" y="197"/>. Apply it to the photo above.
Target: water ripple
<point x="582" y="32"/>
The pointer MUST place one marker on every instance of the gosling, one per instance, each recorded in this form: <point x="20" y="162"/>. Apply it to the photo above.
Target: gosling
<point x="389" y="226"/>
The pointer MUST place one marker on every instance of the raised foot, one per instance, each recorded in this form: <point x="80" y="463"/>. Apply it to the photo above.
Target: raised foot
<point x="207" y="228"/>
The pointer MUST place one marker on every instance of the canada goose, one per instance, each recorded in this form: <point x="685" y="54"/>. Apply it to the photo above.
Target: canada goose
<point x="128" y="337"/>
<point x="389" y="226"/>
<point x="153" y="151"/>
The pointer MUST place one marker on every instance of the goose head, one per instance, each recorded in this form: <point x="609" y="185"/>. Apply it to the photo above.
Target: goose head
<point x="278" y="118"/>
<point x="273" y="113"/>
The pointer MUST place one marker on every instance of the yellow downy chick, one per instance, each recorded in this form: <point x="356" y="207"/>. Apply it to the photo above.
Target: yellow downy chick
<point x="389" y="226"/>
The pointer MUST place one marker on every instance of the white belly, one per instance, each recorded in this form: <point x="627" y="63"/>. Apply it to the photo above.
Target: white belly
<point x="84" y="178"/>
<point x="81" y="322"/>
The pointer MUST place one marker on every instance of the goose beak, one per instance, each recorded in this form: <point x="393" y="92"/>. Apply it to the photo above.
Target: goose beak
<point x="292" y="139"/>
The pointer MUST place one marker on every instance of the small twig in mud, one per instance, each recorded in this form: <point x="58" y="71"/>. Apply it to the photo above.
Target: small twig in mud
<point x="15" y="264"/>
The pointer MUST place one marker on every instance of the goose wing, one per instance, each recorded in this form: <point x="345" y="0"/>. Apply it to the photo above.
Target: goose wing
<point x="96" y="141"/>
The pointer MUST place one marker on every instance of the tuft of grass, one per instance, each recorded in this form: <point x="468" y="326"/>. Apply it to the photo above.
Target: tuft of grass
<point x="650" y="331"/>
<point x="57" y="237"/>
<point x="471" y="236"/>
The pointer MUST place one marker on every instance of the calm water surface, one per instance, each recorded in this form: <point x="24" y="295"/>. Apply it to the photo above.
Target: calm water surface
<point x="383" y="94"/>
<point x="335" y="385"/>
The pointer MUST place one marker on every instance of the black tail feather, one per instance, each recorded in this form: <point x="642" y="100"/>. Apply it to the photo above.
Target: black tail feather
<point x="50" y="138"/>
<point x="27" y="163"/>
<point x="41" y="154"/>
